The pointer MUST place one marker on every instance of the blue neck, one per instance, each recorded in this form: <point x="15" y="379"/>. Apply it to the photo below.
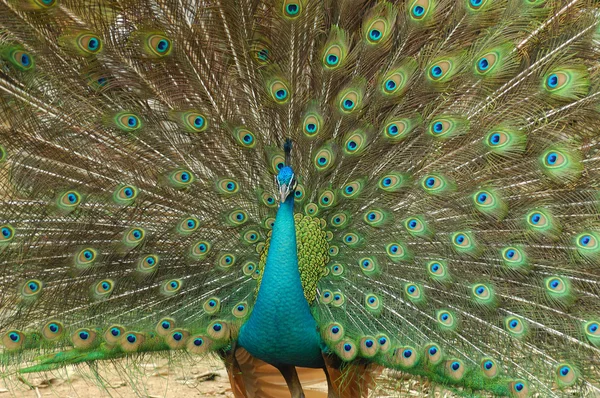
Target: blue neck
<point x="281" y="329"/>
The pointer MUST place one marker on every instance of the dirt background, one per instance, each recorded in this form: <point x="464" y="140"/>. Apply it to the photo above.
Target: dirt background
<point x="157" y="379"/>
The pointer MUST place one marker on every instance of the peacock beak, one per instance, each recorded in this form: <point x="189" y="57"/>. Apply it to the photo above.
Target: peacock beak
<point x="284" y="191"/>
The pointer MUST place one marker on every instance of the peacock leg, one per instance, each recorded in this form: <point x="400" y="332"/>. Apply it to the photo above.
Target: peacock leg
<point x="291" y="378"/>
<point x="331" y="390"/>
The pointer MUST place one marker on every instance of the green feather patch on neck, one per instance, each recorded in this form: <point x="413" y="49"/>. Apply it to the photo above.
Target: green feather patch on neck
<point x="313" y="256"/>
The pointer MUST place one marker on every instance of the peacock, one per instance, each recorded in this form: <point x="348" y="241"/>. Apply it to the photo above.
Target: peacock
<point x="350" y="188"/>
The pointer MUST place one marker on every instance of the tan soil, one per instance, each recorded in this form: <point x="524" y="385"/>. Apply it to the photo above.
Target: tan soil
<point x="206" y="378"/>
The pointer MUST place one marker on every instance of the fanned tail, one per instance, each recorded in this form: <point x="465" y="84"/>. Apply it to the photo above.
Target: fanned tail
<point x="447" y="206"/>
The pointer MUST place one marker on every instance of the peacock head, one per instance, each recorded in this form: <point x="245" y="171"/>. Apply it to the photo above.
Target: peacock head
<point x="286" y="181"/>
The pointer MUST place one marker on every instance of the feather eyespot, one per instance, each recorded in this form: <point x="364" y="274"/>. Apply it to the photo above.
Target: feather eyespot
<point x="515" y="326"/>
<point x="373" y="303"/>
<point x="127" y="122"/>
<point x="299" y="193"/>
<point x="566" y="375"/>
<point x="557" y="288"/>
<point x="351" y="239"/>
<point x="554" y="159"/>
<point x="484" y="199"/>
<point x="591" y="330"/>
<point x="13" y="340"/>
<point x="244" y="137"/>
<point x="375" y="218"/>
<point x="514" y="258"/>
<point x="102" y="289"/>
<point x="327" y="198"/>
<point x="355" y="143"/>
<point x="333" y="332"/>
<point x="326" y="296"/>
<point x="461" y="240"/>
<point x="249" y="268"/>
<point x="192" y="121"/>
<point x="279" y="92"/>
<point x="44" y="3"/>
<point x="226" y="260"/>
<point x="433" y="183"/>
<point x="339" y="220"/>
<point x="489" y="368"/>
<point x="21" y="59"/>
<point x="159" y="45"/>
<point x="350" y="100"/>
<point x="200" y="249"/>
<point x="237" y="217"/>
<point x="498" y="139"/>
<point x="31" y="289"/>
<point x="212" y="305"/>
<point x="392" y="182"/>
<point x="380" y="343"/>
<point x="333" y="56"/>
<point x="85" y="258"/>
<point x="337" y="269"/>
<point x="368" y="265"/>
<point x="187" y="226"/>
<point x="377" y="31"/>
<point x="312" y="125"/>
<point x="89" y="43"/>
<point x="414" y="293"/>
<point x="352" y="189"/>
<point x="240" y="310"/>
<point x="538" y="220"/>
<point x="439" y="70"/>
<point x="227" y="186"/>
<point x="396" y="129"/>
<point x="133" y="236"/>
<point x="414" y="225"/>
<point x="397" y="252"/>
<point x="455" y="369"/>
<point x="519" y="388"/>
<point x="68" y="201"/>
<point x="218" y="330"/>
<point x="446" y="320"/>
<point x="171" y="286"/>
<point x="433" y="353"/>
<point x="250" y="236"/>
<point x="292" y="9"/>
<point x="556" y="80"/>
<point x="486" y="63"/>
<point x="53" y="330"/>
<point x="125" y="194"/>
<point x="477" y="4"/>
<point x="483" y="294"/>
<point x="338" y="299"/>
<point x="324" y="159"/>
<point x="435" y="268"/>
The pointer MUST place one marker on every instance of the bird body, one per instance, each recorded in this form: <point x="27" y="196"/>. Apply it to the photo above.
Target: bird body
<point x="349" y="186"/>
<point x="282" y="331"/>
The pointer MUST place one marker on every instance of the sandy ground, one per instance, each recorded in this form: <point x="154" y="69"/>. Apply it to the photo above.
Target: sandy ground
<point x="206" y="378"/>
